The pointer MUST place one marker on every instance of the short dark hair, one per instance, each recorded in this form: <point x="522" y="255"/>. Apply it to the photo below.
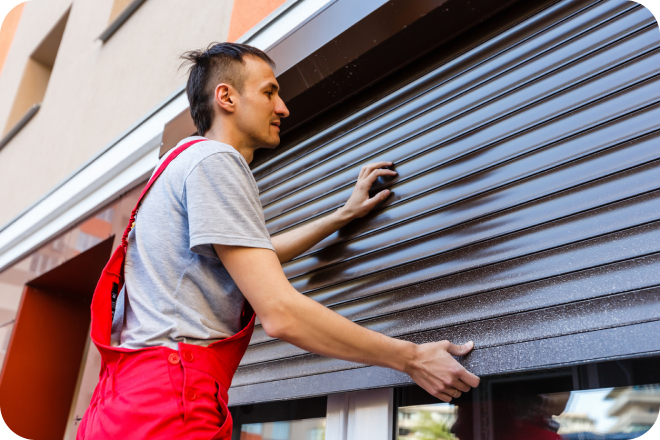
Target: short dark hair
<point x="219" y="62"/>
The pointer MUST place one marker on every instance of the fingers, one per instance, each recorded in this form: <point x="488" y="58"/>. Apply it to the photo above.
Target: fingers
<point x="460" y="385"/>
<point x="470" y="379"/>
<point x="464" y="375"/>
<point x="446" y="394"/>
<point x="460" y="350"/>
<point x="444" y="397"/>
<point x="375" y="174"/>
<point x="367" y="169"/>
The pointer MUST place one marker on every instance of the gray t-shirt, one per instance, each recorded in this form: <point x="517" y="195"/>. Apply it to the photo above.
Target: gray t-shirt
<point x="176" y="288"/>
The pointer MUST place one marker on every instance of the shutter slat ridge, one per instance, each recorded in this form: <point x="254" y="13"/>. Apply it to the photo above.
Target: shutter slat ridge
<point x="550" y="18"/>
<point x="415" y="272"/>
<point x="597" y="208"/>
<point x="294" y="281"/>
<point x="421" y="205"/>
<point x="627" y="275"/>
<point x="617" y="310"/>
<point x="473" y="81"/>
<point x="455" y="137"/>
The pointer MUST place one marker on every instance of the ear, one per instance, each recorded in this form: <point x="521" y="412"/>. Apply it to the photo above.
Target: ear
<point x="224" y="97"/>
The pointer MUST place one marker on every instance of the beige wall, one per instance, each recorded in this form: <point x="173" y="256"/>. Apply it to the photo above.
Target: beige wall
<point x="96" y="91"/>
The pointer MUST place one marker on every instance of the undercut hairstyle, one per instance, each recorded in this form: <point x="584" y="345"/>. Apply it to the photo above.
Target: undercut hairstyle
<point x="218" y="63"/>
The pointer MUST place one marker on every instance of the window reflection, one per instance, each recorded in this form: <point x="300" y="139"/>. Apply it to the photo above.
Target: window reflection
<point x="610" y="412"/>
<point x="308" y="429"/>
<point x="519" y="411"/>
<point x="427" y="421"/>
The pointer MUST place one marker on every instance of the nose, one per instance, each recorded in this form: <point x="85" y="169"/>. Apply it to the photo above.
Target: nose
<point x="280" y="108"/>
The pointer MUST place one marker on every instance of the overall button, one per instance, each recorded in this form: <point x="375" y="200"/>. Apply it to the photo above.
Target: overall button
<point x="188" y="356"/>
<point x="173" y="358"/>
<point x="190" y="394"/>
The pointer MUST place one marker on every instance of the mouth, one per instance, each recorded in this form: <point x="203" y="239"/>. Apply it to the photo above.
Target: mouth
<point x="275" y="124"/>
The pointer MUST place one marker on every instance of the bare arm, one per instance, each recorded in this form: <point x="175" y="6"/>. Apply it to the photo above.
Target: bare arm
<point x="287" y="315"/>
<point x="293" y="243"/>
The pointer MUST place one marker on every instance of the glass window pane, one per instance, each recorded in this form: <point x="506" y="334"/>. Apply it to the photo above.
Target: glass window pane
<point x="610" y="412"/>
<point x="308" y="429"/>
<point x="525" y="413"/>
<point x="421" y="422"/>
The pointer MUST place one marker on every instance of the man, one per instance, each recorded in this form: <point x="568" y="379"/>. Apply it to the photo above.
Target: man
<point x="200" y="247"/>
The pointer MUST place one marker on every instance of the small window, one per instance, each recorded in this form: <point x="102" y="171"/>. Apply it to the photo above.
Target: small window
<point x="32" y="88"/>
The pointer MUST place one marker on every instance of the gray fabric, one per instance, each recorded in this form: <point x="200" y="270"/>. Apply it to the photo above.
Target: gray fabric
<point x="176" y="287"/>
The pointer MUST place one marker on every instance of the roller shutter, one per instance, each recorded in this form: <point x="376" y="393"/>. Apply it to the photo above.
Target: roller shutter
<point x="526" y="207"/>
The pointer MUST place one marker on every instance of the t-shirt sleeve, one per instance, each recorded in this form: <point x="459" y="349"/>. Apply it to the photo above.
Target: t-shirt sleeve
<point x="223" y="206"/>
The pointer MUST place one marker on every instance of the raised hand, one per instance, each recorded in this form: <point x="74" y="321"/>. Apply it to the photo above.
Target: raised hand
<point x="359" y="203"/>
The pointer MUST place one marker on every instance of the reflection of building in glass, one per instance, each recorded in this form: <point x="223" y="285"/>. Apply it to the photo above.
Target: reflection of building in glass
<point x="635" y="407"/>
<point x="427" y="421"/>
<point x="574" y="422"/>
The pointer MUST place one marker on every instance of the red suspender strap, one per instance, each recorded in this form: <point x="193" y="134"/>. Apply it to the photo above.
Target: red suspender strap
<point x="161" y="168"/>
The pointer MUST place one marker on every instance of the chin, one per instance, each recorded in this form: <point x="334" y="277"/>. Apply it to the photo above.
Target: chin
<point x="272" y="143"/>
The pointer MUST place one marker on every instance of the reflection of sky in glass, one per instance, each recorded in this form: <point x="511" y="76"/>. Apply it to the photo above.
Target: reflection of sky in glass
<point x="593" y="403"/>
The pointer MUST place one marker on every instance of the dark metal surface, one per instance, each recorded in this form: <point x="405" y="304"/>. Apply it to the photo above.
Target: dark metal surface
<point x="600" y="345"/>
<point x="581" y="316"/>
<point x="444" y="34"/>
<point x="526" y="213"/>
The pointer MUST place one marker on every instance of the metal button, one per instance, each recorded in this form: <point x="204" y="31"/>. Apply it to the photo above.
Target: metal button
<point x="188" y="356"/>
<point x="190" y="394"/>
<point x="173" y="358"/>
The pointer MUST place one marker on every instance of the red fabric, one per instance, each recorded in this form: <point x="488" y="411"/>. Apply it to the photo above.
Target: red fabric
<point x="157" y="392"/>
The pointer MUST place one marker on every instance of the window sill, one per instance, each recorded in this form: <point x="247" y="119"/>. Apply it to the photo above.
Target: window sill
<point x="120" y="20"/>
<point x="19" y="125"/>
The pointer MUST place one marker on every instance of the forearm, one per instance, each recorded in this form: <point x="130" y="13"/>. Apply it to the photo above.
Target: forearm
<point x="286" y="314"/>
<point x="296" y="241"/>
<point x="315" y="328"/>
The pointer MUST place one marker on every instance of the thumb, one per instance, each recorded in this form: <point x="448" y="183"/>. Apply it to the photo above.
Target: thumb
<point x="460" y="350"/>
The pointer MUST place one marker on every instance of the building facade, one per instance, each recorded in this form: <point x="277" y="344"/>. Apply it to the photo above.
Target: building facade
<point x="524" y="215"/>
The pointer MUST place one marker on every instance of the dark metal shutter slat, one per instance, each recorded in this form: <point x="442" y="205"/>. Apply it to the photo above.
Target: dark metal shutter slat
<point x="396" y="305"/>
<point x="448" y="107"/>
<point x="427" y="212"/>
<point x="455" y="210"/>
<point x="533" y="121"/>
<point x="613" y="311"/>
<point x="545" y="23"/>
<point x="579" y="285"/>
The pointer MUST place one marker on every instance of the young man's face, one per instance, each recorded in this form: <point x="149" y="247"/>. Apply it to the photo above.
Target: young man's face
<point x="260" y="110"/>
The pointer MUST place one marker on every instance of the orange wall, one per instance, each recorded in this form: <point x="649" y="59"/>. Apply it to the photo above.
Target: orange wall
<point x="7" y="31"/>
<point x="247" y="13"/>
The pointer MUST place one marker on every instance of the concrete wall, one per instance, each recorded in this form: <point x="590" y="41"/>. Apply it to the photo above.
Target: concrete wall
<point x="95" y="91"/>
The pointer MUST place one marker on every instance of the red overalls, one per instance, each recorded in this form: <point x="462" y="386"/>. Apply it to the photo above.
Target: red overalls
<point x="157" y="392"/>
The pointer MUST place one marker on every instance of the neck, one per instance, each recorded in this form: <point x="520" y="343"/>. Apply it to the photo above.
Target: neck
<point x="227" y="134"/>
